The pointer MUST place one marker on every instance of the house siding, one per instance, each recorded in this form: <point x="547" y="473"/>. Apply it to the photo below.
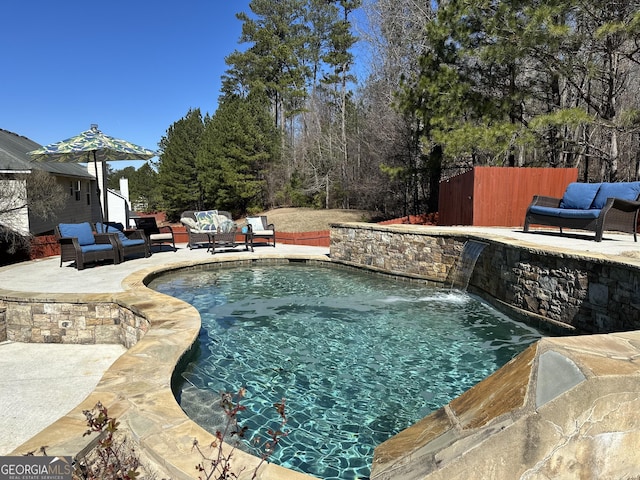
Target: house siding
<point x="15" y="161"/>
<point x="73" y="211"/>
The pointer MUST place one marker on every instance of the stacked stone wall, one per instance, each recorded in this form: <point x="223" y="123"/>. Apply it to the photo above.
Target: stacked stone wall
<point x="33" y="321"/>
<point x="396" y="252"/>
<point x="573" y="292"/>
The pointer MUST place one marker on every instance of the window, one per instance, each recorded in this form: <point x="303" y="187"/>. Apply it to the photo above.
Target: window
<point x="78" y="189"/>
<point x="89" y="194"/>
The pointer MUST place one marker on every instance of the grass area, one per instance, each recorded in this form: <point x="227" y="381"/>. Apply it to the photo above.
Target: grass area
<point x="311" y="220"/>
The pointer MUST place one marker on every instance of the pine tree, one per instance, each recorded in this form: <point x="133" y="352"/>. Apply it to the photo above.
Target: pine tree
<point x="530" y="83"/>
<point x="177" y="170"/>
<point x="273" y="63"/>
<point x="238" y="145"/>
<point x="143" y="187"/>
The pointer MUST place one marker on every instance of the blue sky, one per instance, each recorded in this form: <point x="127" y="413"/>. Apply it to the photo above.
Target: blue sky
<point x="132" y="67"/>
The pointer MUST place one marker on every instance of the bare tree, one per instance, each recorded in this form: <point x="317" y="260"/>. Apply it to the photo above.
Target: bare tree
<point x="394" y="35"/>
<point x="35" y="193"/>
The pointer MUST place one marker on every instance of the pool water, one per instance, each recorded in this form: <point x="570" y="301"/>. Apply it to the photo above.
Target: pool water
<point x="358" y="357"/>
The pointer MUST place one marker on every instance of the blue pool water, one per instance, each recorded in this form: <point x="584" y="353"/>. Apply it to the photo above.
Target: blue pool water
<point x="358" y="357"/>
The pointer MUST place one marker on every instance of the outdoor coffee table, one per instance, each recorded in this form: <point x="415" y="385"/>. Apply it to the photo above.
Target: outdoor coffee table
<point x="226" y="240"/>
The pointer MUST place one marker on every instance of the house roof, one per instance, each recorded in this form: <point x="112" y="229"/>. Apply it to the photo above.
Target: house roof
<point x="13" y="157"/>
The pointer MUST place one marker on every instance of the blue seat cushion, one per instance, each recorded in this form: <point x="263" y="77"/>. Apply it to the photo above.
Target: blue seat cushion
<point x="96" y="247"/>
<point x="81" y="231"/>
<point x="579" y="195"/>
<point x="623" y="190"/>
<point x="565" y="212"/>
<point x="131" y="243"/>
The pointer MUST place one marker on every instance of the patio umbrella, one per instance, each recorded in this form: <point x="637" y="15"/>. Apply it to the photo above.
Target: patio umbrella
<point x="92" y="145"/>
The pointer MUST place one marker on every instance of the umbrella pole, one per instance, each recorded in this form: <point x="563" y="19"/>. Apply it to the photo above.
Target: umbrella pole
<point x="95" y="168"/>
<point x="105" y="192"/>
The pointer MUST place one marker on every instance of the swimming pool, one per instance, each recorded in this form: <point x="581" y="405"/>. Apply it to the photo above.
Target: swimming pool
<point x="358" y="357"/>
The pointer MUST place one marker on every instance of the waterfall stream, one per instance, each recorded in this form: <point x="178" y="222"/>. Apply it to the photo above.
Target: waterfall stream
<point x="465" y="264"/>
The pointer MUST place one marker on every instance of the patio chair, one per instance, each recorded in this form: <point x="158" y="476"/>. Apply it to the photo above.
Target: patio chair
<point x="79" y="244"/>
<point x="129" y="242"/>
<point x="258" y="227"/>
<point x="156" y="235"/>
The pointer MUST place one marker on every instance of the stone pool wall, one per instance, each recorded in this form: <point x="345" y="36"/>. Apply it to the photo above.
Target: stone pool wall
<point x="561" y="291"/>
<point x="76" y="321"/>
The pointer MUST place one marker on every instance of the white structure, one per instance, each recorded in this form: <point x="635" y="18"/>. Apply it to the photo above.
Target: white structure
<point x="118" y="203"/>
<point x="115" y="204"/>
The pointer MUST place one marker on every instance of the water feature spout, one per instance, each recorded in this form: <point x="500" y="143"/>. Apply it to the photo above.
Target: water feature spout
<point x="466" y="262"/>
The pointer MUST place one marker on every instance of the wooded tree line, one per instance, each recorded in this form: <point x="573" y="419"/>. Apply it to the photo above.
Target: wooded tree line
<point x="438" y="87"/>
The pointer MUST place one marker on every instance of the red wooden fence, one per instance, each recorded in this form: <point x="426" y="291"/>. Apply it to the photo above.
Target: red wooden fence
<point x="315" y="239"/>
<point x="498" y="196"/>
<point x="44" y="246"/>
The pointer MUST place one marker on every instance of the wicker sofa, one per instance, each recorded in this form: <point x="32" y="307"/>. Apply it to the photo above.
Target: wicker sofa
<point x="210" y="228"/>
<point x="595" y="207"/>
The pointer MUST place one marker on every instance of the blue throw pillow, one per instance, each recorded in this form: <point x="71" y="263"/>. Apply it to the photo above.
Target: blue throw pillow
<point x="100" y="228"/>
<point x="82" y="231"/>
<point x="579" y="195"/>
<point x="623" y="190"/>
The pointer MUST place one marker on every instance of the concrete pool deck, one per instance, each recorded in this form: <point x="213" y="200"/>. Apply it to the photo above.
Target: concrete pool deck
<point x="45" y="277"/>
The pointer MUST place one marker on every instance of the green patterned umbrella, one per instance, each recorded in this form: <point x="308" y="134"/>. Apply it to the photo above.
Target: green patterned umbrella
<point x="92" y="145"/>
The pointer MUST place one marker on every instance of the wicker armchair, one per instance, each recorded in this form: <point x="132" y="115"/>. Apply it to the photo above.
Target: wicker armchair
<point x="129" y="242"/>
<point x="79" y="244"/>
<point x="156" y="235"/>
<point x="259" y="227"/>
